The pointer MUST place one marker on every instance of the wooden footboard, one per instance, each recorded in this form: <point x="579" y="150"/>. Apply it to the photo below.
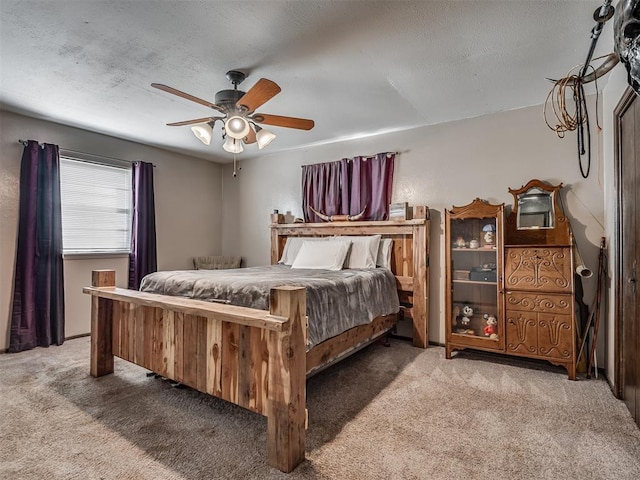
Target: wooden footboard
<point x="256" y="359"/>
<point x="253" y="358"/>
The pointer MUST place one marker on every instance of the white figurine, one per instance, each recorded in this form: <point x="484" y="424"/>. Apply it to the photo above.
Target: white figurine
<point x="467" y="313"/>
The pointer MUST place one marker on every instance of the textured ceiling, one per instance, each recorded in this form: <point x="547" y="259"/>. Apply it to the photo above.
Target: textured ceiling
<point x="355" y="67"/>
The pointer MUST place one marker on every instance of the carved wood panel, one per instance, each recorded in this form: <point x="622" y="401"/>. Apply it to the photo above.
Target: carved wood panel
<point x="539" y="269"/>
<point x="541" y="335"/>
<point x="540" y="302"/>
<point x="555" y="336"/>
<point x="521" y="332"/>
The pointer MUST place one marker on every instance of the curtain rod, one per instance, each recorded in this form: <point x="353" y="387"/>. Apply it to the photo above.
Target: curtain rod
<point x="25" y="143"/>
<point x="376" y="154"/>
<point x="364" y="156"/>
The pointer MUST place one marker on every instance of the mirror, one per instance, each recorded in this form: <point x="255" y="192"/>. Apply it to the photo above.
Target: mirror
<point x="535" y="210"/>
<point x="537" y="217"/>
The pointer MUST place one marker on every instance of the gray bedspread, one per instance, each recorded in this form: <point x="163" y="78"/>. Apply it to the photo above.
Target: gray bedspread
<point x="336" y="300"/>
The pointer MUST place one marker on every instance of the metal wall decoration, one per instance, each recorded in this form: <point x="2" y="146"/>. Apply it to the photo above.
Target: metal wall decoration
<point x="626" y="31"/>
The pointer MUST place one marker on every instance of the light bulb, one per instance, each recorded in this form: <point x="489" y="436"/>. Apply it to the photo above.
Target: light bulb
<point x="263" y="137"/>
<point x="232" y="145"/>
<point x="203" y="132"/>
<point x="236" y="127"/>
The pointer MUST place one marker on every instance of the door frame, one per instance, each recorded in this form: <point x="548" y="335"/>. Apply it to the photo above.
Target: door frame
<point x="627" y="98"/>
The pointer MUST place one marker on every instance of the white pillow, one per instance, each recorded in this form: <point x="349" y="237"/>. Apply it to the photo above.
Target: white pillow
<point x="292" y="247"/>
<point x="384" y="253"/>
<point x="328" y="255"/>
<point x="364" y="251"/>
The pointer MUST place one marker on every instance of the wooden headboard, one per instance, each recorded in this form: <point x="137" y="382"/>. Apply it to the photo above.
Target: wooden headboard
<point x="409" y="257"/>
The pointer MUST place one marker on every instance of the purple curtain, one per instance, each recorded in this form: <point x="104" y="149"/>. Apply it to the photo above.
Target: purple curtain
<point x="347" y="186"/>
<point x="143" y="258"/>
<point x="321" y="189"/>
<point x="371" y="181"/>
<point x="37" y="313"/>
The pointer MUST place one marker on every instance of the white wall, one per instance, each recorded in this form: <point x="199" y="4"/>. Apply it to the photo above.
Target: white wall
<point x="439" y="166"/>
<point x="616" y="86"/>
<point x="202" y="210"/>
<point x="188" y="195"/>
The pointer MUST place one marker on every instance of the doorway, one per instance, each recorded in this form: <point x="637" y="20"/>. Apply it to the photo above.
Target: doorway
<point x="627" y="326"/>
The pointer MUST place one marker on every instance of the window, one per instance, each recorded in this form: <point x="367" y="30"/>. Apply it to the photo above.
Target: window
<point x="96" y="207"/>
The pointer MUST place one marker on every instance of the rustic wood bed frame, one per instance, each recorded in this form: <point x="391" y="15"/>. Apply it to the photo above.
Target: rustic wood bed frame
<point x="256" y="359"/>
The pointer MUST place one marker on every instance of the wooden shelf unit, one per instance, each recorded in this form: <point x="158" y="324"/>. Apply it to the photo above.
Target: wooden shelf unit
<point x="467" y="224"/>
<point x="534" y="287"/>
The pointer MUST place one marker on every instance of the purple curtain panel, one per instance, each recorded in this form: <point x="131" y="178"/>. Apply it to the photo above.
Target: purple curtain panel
<point x="37" y="314"/>
<point x="347" y="186"/>
<point x="143" y="256"/>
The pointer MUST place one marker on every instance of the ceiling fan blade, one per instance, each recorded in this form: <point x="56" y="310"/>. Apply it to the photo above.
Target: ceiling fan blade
<point x="186" y="96"/>
<point x="260" y="93"/>
<point x="192" y="122"/>
<point x="251" y="137"/>
<point x="279" y="121"/>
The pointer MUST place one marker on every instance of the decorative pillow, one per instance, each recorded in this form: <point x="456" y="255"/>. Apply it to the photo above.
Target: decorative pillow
<point x="364" y="251"/>
<point x="292" y="247"/>
<point x="327" y="255"/>
<point x="384" y="253"/>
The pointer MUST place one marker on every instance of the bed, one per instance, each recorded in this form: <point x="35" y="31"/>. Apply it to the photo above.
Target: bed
<point x="336" y="300"/>
<point x="256" y="358"/>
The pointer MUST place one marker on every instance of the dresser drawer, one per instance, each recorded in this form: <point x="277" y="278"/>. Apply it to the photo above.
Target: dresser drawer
<point x="545" y="269"/>
<point x="556" y="336"/>
<point x="539" y="302"/>
<point x="539" y="335"/>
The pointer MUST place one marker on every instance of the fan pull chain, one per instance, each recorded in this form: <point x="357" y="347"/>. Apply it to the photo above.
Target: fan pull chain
<point x="235" y="171"/>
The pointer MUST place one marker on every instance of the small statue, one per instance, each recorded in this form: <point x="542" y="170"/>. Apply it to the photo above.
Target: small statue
<point x="490" y="328"/>
<point x="460" y="243"/>
<point x="467" y="313"/>
<point x="489" y="236"/>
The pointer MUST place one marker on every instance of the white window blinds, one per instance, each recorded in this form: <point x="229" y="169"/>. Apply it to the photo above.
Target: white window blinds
<point x="96" y="207"/>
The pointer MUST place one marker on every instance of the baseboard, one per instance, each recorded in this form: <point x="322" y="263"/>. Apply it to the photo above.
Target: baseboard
<point x="77" y="336"/>
<point x="6" y="350"/>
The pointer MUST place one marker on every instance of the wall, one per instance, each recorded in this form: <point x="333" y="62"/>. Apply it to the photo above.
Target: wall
<point x="439" y="166"/>
<point x="616" y="86"/>
<point x="188" y="193"/>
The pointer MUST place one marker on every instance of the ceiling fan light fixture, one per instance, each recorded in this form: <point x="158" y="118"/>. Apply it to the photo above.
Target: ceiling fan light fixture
<point x="263" y="137"/>
<point x="236" y="127"/>
<point x="232" y="145"/>
<point x="203" y="132"/>
<point x="238" y="114"/>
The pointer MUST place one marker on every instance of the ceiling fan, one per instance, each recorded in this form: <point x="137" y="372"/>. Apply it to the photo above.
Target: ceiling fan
<point x="241" y="122"/>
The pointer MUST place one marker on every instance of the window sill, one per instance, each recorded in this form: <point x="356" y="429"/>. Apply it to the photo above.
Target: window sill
<point x="93" y="255"/>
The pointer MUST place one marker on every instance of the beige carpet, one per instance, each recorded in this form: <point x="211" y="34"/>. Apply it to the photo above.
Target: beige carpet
<point x="388" y="413"/>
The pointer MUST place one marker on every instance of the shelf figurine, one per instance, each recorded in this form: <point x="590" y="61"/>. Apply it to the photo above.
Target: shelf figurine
<point x="489" y="237"/>
<point x="467" y="313"/>
<point x="490" y="328"/>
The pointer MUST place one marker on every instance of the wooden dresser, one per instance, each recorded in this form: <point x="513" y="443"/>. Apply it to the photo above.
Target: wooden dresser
<point x="527" y="291"/>
<point x="539" y="283"/>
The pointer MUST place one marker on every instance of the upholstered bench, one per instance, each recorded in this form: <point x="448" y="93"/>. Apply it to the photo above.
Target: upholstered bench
<point x="216" y="262"/>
